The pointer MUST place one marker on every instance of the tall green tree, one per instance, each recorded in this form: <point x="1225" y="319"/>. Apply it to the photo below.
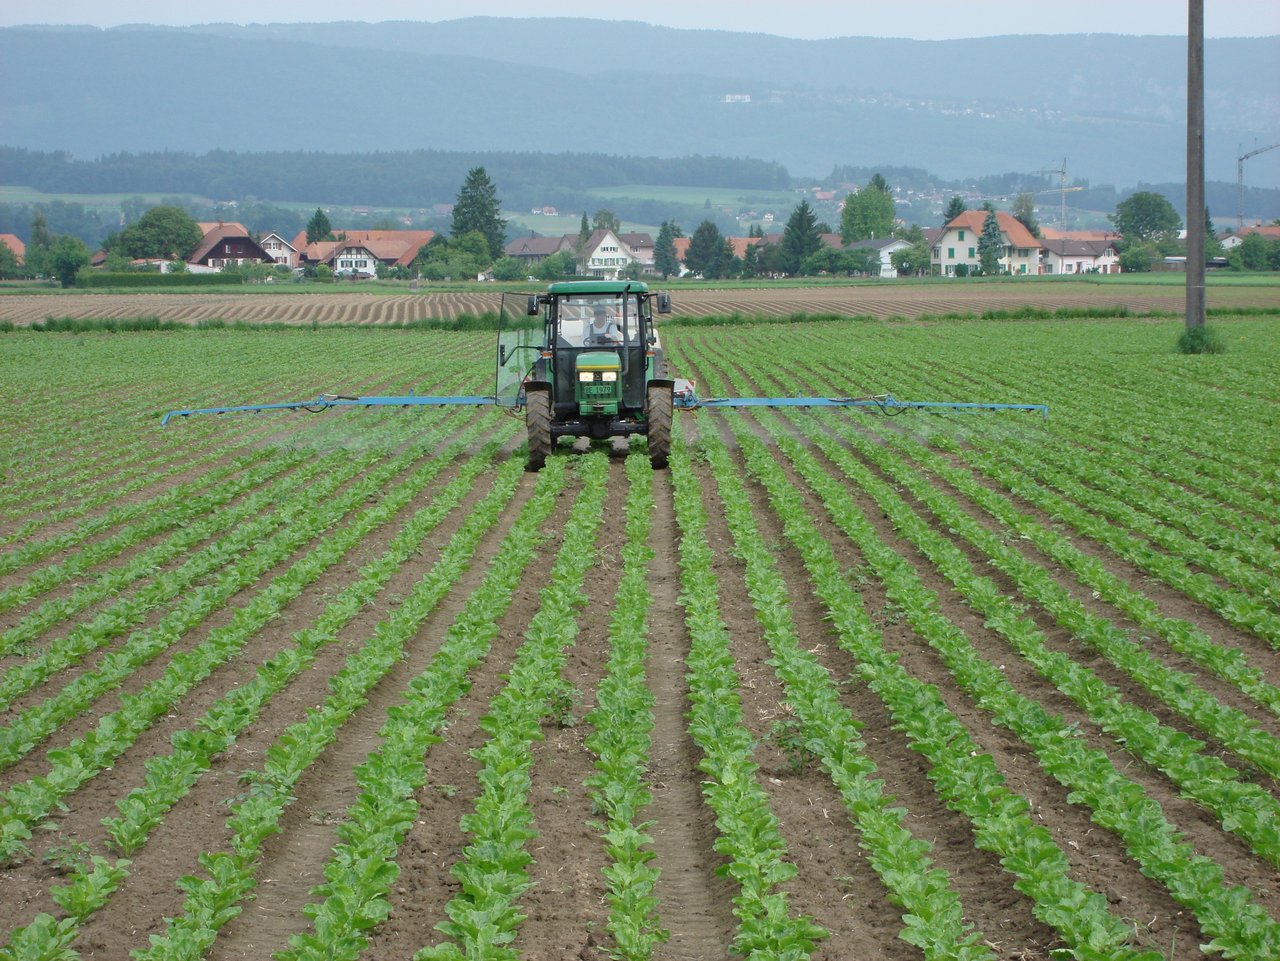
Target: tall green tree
<point x="477" y="208"/>
<point x="915" y="259"/>
<point x="319" y="228"/>
<point x="801" y="237"/>
<point x="1024" y="211"/>
<point x="990" y="245"/>
<point x="40" y="233"/>
<point x="39" y="244"/>
<point x="558" y="265"/>
<point x="665" y="260"/>
<point x="706" y="250"/>
<point x="607" y="220"/>
<point x="584" y="230"/>
<point x="67" y="257"/>
<point x="162" y="232"/>
<point x="1145" y="216"/>
<point x="869" y="212"/>
<point x="955" y="207"/>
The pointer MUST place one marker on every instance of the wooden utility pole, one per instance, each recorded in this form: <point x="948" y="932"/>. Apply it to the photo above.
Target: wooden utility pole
<point x="1195" y="164"/>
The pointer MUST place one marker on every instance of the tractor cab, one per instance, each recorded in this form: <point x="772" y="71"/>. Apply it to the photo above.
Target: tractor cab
<point x="591" y="358"/>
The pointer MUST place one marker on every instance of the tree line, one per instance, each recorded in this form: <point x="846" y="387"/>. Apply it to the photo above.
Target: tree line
<point x="405" y="178"/>
<point x="1146" y="223"/>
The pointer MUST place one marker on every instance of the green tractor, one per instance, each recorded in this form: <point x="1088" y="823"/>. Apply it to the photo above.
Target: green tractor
<point x="590" y="366"/>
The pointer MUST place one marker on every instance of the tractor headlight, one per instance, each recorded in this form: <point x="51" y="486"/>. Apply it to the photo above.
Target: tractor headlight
<point x="586" y="376"/>
<point x="609" y="375"/>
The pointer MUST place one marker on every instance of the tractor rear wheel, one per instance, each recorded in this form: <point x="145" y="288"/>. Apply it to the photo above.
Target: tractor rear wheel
<point x="537" y="419"/>
<point x="658" y="405"/>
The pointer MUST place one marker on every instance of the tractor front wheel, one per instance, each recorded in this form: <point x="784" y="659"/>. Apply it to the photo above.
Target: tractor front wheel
<point x="537" y="418"/>
<point x="658" y="406"/>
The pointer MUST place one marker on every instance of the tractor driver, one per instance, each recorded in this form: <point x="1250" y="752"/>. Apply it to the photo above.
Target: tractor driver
<point x="603" y="329"/>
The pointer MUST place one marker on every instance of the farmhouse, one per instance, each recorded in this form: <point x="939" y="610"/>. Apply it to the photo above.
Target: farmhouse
<point x="605" y="255"/>
<point x="281" y="251"/>
<point x="958" y="245"/>
<point x="1066" y="256"/>
<point x="357" y="253"/>
<point x="226" y="244"/>
<point x="534" y="250"/>
<point x="884" y="248"/>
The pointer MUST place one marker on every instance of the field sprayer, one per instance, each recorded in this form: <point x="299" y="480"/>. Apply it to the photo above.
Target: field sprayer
<point x="584" y="359"/>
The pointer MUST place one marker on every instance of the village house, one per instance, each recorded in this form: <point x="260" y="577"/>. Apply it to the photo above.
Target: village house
<point x="1064" y="255"/>
<point x="958" y="245"/>
<point x="1232" y="241"/>
<point x="532" y="251"/>
<point x="281" y="251"/>
<point x="357" y="253"/>
<point x="884" y="248"/>
<point x="604" y="255"/>
<point x="226" y="244"/>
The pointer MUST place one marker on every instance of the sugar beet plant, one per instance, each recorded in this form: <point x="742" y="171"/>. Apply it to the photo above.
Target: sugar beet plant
<point x="1031" y="667"/>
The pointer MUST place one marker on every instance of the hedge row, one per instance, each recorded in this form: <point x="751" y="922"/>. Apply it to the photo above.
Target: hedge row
<point x="89" y="278"/>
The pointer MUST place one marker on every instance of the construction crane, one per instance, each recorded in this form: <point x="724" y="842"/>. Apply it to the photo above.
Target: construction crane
<point x="1240" y="180"/>
<point x="1061" y="190"/>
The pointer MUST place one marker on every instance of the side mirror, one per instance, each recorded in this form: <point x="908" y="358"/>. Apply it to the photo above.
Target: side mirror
<point x="664" y="303"/>
<point x="532" y="307"/>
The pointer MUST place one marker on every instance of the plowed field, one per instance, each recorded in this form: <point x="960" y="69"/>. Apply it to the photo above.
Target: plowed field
<point x="879" y="300"/>
<point x="834" y="685"/>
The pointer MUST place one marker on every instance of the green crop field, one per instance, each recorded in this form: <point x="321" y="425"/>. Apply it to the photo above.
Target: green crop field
<point x="835" y="685"/>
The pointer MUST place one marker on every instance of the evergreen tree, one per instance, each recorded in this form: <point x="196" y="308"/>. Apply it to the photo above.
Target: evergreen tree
<point x="990" y="245"/>
<point x="729" y="265"/>
<point x="665" y="260"/>
<point x="318" y="227"/>
<point x="955" y="207"/>
<point x="800" y="238"/>
<point x="705" y="251"/>
<point x="38" y="245"/>
<point x="40" y="234"/>
<point x="477" y="208"/>
<point x="584" y="230"/>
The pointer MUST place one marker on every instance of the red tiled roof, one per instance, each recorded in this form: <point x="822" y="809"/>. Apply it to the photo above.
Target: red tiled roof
<point x="403" y="237"/>
<point x="208" y="225"/>
<point x="1051" y="233"/>
<point x="1010" y="226"/>
<point x="1270" y="233"/>
<point x="14" y="243"/>
<point x="397" y="248"/>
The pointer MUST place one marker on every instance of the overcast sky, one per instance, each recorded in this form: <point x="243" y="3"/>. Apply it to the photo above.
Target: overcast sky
<point x="808" y="19"/>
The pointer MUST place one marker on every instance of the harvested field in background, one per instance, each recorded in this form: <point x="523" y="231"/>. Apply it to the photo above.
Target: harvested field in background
<point x="370" y="306"/>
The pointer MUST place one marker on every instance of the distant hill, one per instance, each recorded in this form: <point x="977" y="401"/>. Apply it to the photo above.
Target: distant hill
<point x="1113" y="106"/>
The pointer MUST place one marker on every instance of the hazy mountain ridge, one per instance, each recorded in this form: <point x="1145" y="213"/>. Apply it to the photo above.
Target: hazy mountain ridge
<point x="1112" y="105"/>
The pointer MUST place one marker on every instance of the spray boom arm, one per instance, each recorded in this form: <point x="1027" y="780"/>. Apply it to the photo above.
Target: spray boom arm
<point x="684" y="398"/>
